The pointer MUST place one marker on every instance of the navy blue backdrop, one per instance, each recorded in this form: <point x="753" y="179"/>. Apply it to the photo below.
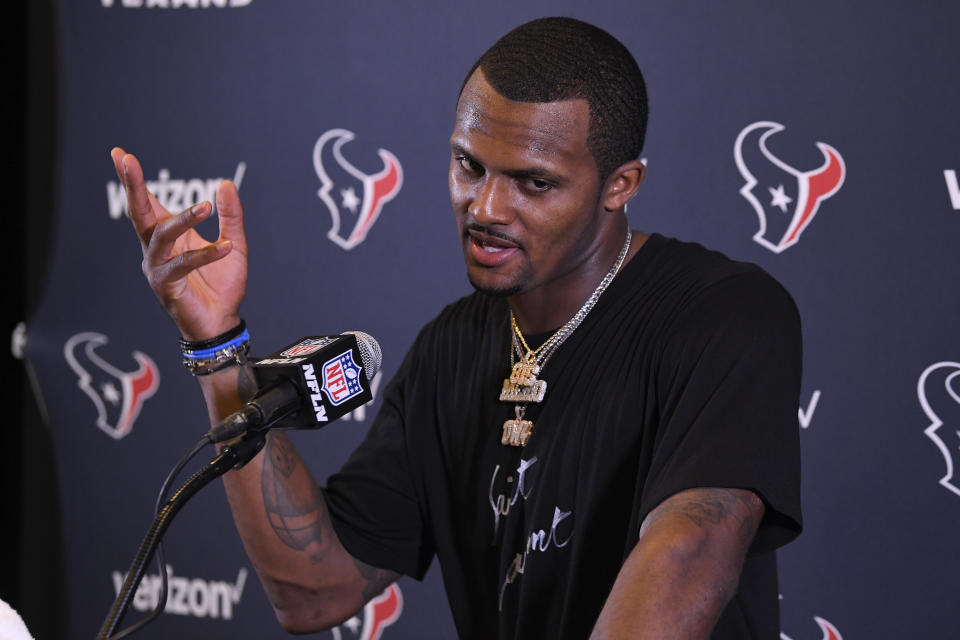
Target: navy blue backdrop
<point x="817" y="139"/>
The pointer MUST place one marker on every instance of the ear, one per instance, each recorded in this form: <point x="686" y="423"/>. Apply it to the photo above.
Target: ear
<point x="622" y="184"/>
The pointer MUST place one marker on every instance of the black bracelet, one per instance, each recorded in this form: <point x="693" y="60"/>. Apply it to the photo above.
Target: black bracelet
<point x="226" y="336"/>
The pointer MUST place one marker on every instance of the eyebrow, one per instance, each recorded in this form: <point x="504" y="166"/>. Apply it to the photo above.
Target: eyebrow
<point x="525" y="173"/>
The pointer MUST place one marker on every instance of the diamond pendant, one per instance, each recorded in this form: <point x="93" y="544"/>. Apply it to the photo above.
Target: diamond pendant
<point x="524" y="373"/>
<point x="515" y="393"/>
<point x="516" y="432"/>
<point x="522" y="385"/>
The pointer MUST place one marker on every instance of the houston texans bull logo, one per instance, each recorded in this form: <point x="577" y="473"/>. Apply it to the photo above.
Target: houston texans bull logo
<point x="362" y="195"/>
<point x="939" y="392"/>
<point x="829" y="631"/>
<point x="377" y="615"/>
<point x="117" y="395"/>
<point x="795" y="196"/>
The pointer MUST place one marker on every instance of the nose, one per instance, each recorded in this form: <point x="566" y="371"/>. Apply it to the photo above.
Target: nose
<point x="490" y="203"/>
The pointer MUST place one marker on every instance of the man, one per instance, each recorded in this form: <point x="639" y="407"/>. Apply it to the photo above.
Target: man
<point x="601" y="441"/>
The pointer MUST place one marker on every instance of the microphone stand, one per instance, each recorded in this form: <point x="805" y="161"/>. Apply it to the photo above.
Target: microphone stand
<point x="232" y="456"/>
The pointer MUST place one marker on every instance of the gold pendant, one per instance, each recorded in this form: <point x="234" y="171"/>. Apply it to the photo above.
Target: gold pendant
<point x="522" y="385"/>
<point x="515" y="393"/>
<point x="524" y="373"/>
<point x="516" y="432"/>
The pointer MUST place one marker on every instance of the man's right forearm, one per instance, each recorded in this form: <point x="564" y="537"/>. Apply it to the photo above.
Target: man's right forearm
<point x="282" y="518"/>
<point x="279" y="510"/>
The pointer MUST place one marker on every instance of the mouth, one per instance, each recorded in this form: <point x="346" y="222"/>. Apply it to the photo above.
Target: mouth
<point x="488" y="249"/>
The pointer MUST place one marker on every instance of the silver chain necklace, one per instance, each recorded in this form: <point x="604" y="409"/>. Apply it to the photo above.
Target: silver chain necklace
<point x="523" y="386"/>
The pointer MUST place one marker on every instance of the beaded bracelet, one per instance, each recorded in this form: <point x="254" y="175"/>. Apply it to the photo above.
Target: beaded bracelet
<point x="203" y="357"/>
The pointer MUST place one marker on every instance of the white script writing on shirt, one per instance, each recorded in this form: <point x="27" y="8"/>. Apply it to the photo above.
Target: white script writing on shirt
<point x="538" y="540"/>
<point x="501" y="503"/>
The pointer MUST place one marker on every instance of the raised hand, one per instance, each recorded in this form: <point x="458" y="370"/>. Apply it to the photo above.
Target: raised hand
<point x="199" y="283"/>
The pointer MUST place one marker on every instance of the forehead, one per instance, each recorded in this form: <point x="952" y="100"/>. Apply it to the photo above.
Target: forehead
<point x="551" y="131"/>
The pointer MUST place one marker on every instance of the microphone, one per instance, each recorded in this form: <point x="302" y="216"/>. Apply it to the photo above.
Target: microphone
<point x="307" y="385"/>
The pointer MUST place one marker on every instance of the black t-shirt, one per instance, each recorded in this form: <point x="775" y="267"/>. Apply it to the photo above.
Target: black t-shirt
<point x="685" y="374"/>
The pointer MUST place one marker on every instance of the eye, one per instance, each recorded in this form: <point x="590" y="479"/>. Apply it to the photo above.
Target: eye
<point x="469" y="165"/>
<point x="539" y="185"/>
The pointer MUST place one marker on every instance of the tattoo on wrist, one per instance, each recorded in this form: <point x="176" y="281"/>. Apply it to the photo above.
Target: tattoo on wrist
<point x="246" y="385"/>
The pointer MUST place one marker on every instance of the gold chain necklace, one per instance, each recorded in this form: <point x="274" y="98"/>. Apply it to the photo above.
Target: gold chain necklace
<point x="523" y="386"/>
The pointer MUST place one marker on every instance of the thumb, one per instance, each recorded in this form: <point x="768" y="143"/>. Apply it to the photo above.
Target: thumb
<point x="230" y="212"/>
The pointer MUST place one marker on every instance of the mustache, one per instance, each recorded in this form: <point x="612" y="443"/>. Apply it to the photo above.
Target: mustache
<point x="490" y="232"/>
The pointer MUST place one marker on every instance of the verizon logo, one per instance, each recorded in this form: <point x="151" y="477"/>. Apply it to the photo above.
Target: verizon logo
<point x="175" y="194"/>
<point x="193" y="597"/>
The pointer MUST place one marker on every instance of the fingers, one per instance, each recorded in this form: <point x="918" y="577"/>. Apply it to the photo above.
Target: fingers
<point x="116" y="154"/>
<point x="230" y="211"/>
<point x="162" y="244"/>
<point x="165" y="263"/>
<point x="144" y="211"/>
<point x="160" y="231"/>
<point x="179" y="267"/>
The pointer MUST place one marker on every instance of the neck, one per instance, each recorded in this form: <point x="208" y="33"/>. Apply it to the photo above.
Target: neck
<point x="548" y="307"/>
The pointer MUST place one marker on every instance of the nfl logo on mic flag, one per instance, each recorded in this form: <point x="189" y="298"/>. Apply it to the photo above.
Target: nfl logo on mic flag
<point x="326" y="371"/>
<point x="341" y="378"/>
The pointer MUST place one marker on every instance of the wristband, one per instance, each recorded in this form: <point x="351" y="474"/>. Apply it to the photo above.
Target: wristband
<point x="195" y="345"/>
<point x="203" y="357"/>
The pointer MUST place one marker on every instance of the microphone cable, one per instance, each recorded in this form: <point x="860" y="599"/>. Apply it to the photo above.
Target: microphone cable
<point x="161" y="564"/>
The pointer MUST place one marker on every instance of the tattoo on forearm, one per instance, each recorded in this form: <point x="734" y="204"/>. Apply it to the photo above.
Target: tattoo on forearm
<point x="282" y="456"/>
<point x="298" y="514"/>
<point x="294" y="504"/>
<point x="714" y="506"/>
<point x="375" y="580"/>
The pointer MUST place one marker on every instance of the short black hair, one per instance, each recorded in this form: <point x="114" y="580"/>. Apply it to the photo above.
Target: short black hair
<point x="552" y="59"/>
